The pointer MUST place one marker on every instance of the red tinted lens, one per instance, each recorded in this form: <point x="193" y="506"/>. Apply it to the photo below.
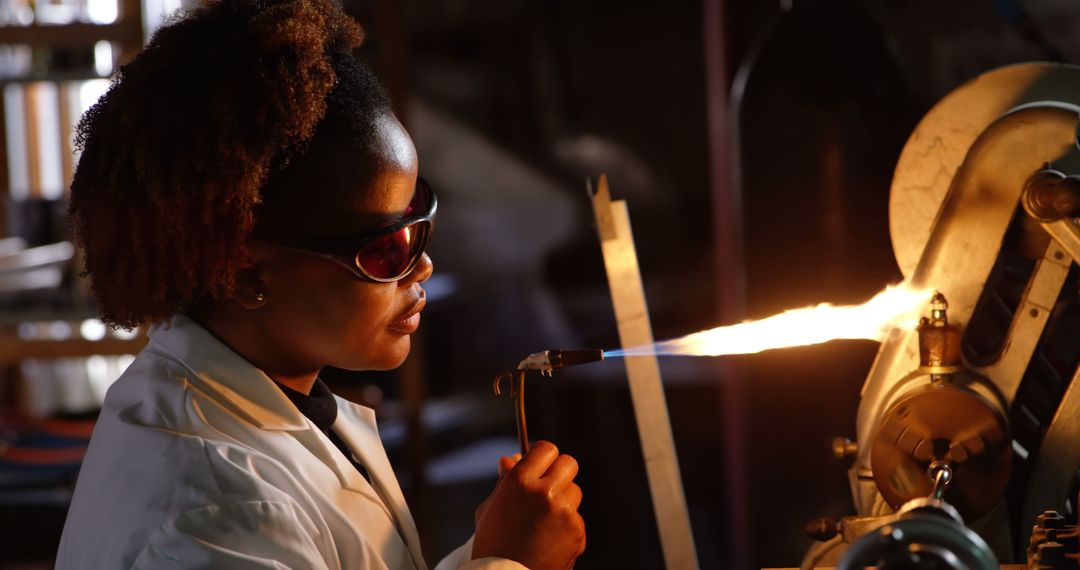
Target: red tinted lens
<point x="390" y="256"/>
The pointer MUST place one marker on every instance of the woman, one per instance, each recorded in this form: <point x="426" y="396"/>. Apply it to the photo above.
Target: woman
<point x="245" y="189"/>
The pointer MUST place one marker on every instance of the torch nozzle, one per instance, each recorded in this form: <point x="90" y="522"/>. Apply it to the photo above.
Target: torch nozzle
<point x="545" y="362"/>
<point x="548" y="360"/>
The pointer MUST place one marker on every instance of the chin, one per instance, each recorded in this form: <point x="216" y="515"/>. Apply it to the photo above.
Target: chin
<point x="390" y="357"/>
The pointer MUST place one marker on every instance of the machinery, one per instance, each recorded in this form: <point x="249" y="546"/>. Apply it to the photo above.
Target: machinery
<point x="967" y="447"/>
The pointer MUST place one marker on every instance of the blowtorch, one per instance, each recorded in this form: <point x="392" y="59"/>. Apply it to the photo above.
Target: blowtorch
<point x="545" y="362"/>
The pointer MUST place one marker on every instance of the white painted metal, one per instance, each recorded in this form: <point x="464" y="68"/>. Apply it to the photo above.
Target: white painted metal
<point x="1031" y="317"/>
<point x="962" y="249"/>
<point x="957" y="185"/>
<point x="643" y="375"/>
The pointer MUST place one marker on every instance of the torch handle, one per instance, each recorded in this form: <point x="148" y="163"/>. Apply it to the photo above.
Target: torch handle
<point x="519" y="410"/>
<point x="517" y="391"/>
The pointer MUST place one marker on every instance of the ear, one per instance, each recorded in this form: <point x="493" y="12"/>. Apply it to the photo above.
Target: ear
<point x="251" y="290"/>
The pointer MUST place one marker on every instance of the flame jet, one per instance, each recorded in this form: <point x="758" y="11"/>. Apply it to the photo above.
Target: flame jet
<point x="897" y="307"/>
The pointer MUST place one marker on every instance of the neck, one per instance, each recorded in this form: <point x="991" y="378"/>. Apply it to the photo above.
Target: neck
<point x="255" y="342"/>
<point x="301" y="383"/>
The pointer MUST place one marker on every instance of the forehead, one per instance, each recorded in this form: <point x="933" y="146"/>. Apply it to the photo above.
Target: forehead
<point x="388" y="187"/>
<point x="346" y="189"/>
<point x="391" y="145"/>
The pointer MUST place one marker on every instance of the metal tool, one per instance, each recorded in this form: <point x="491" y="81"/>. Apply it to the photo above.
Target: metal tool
<point x="926" y="532"/>
<point x="545" y="362"/>
<point x="940" y="473"/>
<point x="948" y="422"/>
<point x="990" y="175"/>
<point x="548" y="360"/>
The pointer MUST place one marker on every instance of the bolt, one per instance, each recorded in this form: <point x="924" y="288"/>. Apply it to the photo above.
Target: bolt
<point x="842" y="448"/>
<point x="1050" y="552"/>
<point x="1058" y="255"/>
<point x="1050" y="519"/>
<point x="938" y="306"/>
<point x="822" y="529"/>
<point x="1034" y="312"/>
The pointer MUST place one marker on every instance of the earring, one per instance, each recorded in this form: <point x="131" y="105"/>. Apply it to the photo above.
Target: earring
<point x="251" y="299"/>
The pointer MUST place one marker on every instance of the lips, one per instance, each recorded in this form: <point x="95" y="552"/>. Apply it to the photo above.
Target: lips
<point x="409" y="320"/>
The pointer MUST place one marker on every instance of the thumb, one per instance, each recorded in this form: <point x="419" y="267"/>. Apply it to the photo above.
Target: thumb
<point x="507" y="463"/>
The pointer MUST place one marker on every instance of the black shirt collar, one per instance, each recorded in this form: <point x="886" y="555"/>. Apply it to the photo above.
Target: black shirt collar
<point x="319" y="406"/>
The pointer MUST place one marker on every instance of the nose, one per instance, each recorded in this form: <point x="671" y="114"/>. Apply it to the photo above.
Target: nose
<point x="422" y="272"/>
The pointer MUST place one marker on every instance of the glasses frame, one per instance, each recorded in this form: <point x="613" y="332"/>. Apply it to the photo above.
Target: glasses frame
<point x="346" y="252"/>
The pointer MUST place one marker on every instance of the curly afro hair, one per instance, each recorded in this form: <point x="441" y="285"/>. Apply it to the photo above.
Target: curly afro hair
<point x="175" y="157"/>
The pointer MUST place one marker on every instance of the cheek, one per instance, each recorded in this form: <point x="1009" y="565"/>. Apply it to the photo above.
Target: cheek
<point x="338" y="319"/>
<point x="345" y="308"/>
<point x="354" y="330"/>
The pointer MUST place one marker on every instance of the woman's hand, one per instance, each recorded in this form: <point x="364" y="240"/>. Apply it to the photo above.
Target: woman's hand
<point x="505" y="465"/>
<point x="532" y="516"/>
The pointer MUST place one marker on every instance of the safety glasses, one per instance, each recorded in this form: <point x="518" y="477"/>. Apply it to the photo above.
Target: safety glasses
<point x="386" y="254"/>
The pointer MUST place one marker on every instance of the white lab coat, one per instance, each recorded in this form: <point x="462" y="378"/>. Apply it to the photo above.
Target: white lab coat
<point x="199" y="461"/>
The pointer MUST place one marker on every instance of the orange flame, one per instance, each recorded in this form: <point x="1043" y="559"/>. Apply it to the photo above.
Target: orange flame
<point x="897" y="307"/>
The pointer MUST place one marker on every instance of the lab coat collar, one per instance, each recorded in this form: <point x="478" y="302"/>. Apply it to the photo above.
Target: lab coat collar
<point x="252" y="394"/>
<point x="357" y="428"/>
<point x="228" y="375"/>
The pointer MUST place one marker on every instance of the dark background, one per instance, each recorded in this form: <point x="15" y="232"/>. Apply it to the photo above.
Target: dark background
<point x="754" y="142"/>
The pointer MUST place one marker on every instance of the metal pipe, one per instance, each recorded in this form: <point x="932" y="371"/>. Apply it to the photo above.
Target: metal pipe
<point x="519" y="411"/>
<point x="517" y="391"/>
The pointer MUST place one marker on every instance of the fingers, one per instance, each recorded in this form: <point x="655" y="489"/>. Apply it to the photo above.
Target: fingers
<point x="537" y="460"/>
<point x="508" y="463"/>
<point x="555" y="483"/>
<point x="572" y="497"/>
<point x="561" y="472"/>
<point x="581" y="524"/>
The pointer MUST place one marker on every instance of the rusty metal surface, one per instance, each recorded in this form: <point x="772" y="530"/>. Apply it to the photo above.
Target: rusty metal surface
<point x="939" y="340"/>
